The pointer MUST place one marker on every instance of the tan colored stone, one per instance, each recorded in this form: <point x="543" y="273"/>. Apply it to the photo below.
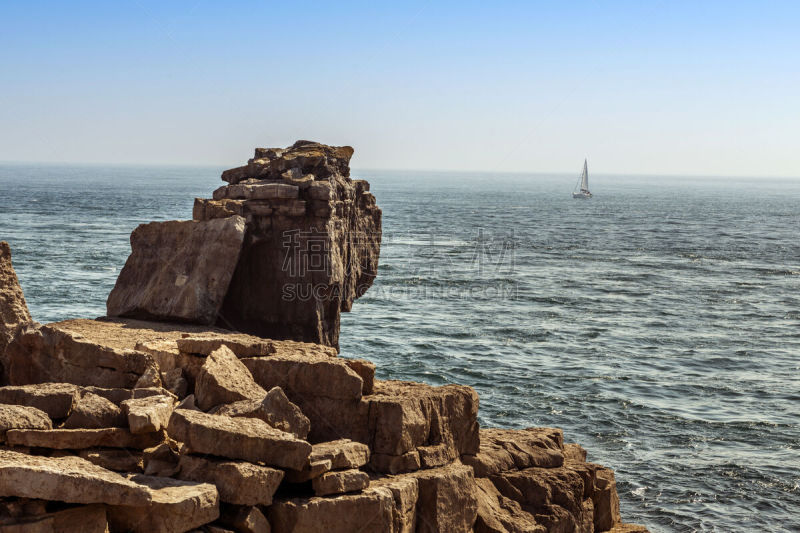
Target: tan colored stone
<point x="343" y="453"/>
<point x="13" y="309"/>
<point x="447" y="499"/>
<point x="241" y="344"/>
<point x="162" y="460"/>
<point x="405" y="494"/>
<point x="175" y="383"/>
<point x="606" y="501"/>
<point x="94" y="412"/>
<point x="300" y="376"/>
<point x="238" y="483"/>
<point x="340" y="482"/>
<point x="365" y="369"/>
<point x="553" y="495"/>
<point x="225" y="379"/>
<point x="65" y="479"/>
<point x="574" y="453"/>
<point x="178" y="270"/>
<point x="119" y="460"/>
<point x="175" y="507"/>
<point x="54" y="354"/>
<point x="503" y="450"/>
<point x="498" y="514"/>
<point x="249" y="439"/>
<point x="77" y="439"/>
<point x="310" y="471"/>
<point x="147" y="415"/>
<point x="275" y="409"/>
<point x="395" y="464"/>
<point x="55" y="399"/>
<point x="365" y="512"/>
<point x="22" y="417"/>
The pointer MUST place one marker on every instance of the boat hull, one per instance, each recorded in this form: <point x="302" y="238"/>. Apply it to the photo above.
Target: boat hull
<point x="583" y="195"/>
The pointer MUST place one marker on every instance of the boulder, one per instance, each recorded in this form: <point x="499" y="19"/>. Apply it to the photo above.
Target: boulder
<point x="178" y="270"/>
<point x="447" y="499"/>
<point x="174" y="507"/>
<point x="340" y="482"/>
<point x="224" y="379"/>
<point x="249" y="439"/>
<point x="162" y="460"/>
<point x="149" y="414"/>
<point x="53" y="353"/>
<point x="395" y="464"/>
<point x="95" y="412"/>
<point x="22" y="417"/>
<point x="304" y="376"/>
<point x="502" y="450"/>
<point x="312" y="245"/>
<point x="55" y="399"/>
<point x="78" y="439"/>
<point x="311" y="470"/>
<point x="238" y="483"/>
<point x="498" y="514"/>
<point x="365" y="512"/>
<point x="554" y="496"/>
<point x="606" y="501"/>
<point x="13" y="309"/>
<point x="343" y="454"/>
<point x="275" y="409"/>
<point x="365" y="369"/>
<point x="66" y="479"/>
<point x="404" y="491"/>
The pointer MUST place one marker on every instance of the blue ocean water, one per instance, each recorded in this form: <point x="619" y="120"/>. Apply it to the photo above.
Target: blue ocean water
<point x="658" y="323"/>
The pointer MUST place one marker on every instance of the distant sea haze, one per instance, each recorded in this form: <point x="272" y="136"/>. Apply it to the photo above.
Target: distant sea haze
<point x="657" y="323"/>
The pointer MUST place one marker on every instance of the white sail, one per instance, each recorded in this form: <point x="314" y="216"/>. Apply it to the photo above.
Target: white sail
<point x="585" y="177"/>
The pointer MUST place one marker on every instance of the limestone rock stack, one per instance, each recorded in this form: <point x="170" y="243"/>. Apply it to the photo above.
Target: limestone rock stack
<point x="124" y="424"/>
<point x="280" y="252"/>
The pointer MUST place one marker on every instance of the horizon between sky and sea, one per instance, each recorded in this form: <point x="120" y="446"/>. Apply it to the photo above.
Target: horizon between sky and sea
<point x="656" y="323"/>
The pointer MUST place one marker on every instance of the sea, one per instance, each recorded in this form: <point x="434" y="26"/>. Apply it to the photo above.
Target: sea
<point x="657" y="323"/>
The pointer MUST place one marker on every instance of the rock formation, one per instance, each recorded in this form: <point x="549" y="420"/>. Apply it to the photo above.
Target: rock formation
<point x="278" y="253"/>
<point x="123" y="424"/>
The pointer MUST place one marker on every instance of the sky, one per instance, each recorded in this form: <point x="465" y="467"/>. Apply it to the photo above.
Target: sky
<point x="638" y="87"/>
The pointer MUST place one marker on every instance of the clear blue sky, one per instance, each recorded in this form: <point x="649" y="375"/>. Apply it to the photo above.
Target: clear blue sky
<point x="685" y="87"/>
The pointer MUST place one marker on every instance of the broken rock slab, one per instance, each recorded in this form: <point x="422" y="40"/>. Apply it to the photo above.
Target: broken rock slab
<point x="78" y="439"/>
<point x="249" y="439"/>
<point x="149" y="414"/>
<point x="55" y="399"/>
<point x="13" y="309"/>
<point x="502" y="450"/>
<point x="22" y="417"/>
<point x="175" y="506"/>
<point x="222" y="379"/>
<point x="447" y="499"/>
<point x="498" y="514"/>
<point x="238" y="482"/>
<point x="52" y="353"/>
<point x="366" y="512"/>
<point x="275" y="409"/>
<point x="340" y="482"/>
<point x="95" y="412"/>
<point x="117" y="459"/>
<point x="300" y="376"/>
<point x="178" y="270"/>
<point x="66" y="479"/>
<point x="343" y="454"/>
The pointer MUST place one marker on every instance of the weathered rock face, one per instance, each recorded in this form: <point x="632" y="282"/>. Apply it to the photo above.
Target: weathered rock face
<point x="178" y="270"/>
<point x="13" y="309"/>
<point x="224" y="379"/>
<point x="312" y="243"/>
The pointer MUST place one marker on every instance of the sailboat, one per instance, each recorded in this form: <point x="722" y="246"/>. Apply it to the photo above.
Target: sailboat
<point x="582" y="190"/>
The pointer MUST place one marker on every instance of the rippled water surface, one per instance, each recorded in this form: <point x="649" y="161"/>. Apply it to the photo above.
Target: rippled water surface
<point x="657" y="323"/>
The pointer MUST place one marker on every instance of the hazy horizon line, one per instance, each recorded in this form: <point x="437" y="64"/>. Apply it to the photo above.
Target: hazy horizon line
<point x="409" y="169"/>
